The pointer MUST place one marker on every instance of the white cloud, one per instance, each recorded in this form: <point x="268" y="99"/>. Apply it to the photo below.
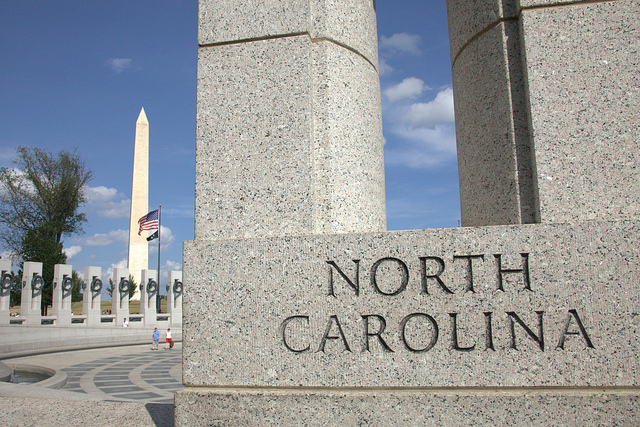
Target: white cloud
<point x="118" y="65"/>
<point x="384" y="69"/>
<point x="166" y="239"/>
<point x="100" y="193"/>
<point x="409" y="88"/>
<point x="72" y="251"/>
<point x="108" y="202"/>
<point x="424" y="147"/>
<point x="169" y="266"/>
<point x="120" y="209"/>
<point x="106" y="275"/>
<point x="423" y="132"/>
<point x="427" y="115"/>
<point x="115" y="236"/>
<point x="400" y="42"/>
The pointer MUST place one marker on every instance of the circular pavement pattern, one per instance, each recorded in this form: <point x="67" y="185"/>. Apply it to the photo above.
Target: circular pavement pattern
<point x="144" y="377"/>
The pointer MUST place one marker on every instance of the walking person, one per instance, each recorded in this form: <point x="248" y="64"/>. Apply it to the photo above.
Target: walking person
<point x="156" y="336"/>
<point x="168" y="341"/>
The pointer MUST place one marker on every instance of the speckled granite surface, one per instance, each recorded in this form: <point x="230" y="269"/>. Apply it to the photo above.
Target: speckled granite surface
<point x="538" y="305"/>
<point x="547" y="110"/>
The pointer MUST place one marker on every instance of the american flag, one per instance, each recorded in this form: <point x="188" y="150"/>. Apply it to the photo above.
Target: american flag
<point x="148" y="222"/>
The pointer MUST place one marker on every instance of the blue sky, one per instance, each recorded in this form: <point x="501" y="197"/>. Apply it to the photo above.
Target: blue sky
<point x="76" y="73"/>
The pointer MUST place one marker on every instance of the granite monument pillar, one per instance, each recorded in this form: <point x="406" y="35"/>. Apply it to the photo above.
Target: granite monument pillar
<point x="31" y="295"/>
<point x="120" y="295"/>
<point x="148" y="295"/>
<point x="6" y="282"/>
<point x="174" y="297"/>
<point x="300" y="309"/>
<point x="92" y="296"/>
<point x="547" y="110"/>
<point x="61" y="298"/>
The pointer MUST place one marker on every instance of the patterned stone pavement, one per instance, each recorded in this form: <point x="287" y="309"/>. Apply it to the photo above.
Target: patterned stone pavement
<point x="150" y="377"/>
<point x="132" y="373"/>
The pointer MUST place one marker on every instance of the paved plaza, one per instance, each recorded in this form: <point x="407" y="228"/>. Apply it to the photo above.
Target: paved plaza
<point x="117" y="373"/>
<point x="133" y="385"/>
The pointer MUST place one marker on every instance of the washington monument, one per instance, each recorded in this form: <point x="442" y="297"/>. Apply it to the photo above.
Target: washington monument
<point x="138" y="246"/>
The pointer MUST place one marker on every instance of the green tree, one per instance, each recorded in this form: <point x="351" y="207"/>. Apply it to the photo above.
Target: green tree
<point x="76" y="295"/>
<point x="38" y="245"/>
<point x="16" y="289"/>
<point x="42" y="192"/>
<point x="132" y="287"/>
<point x="39" y="205"/>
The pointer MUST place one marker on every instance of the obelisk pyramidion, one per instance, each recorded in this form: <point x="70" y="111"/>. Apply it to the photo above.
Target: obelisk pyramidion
<point x="138" y="247"/>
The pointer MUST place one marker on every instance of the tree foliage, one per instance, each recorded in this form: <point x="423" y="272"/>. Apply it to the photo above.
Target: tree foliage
<point x="39" y="205"/>
<point x="43" y="194"/>
<point x="76" y="295"/>
<point x="133" y="285"/>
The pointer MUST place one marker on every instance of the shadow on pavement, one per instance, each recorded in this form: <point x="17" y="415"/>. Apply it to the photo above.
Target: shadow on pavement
<point x="161" y="413"/>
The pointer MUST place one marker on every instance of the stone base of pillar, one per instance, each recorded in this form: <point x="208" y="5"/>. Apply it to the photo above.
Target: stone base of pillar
<point x="286" y="407"/>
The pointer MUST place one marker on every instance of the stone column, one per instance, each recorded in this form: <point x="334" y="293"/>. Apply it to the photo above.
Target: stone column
<point x="32" y="283"/>
<point x="6" y="281"/>
<point x="120" y="295"/>
<point x="148" y="294"/>
<point x="92" y="296"/>
<point x="174" y="297"/>
<point x="289" y="134"/>
<point x="62" y="287"/>
<point x="543" y="135"/>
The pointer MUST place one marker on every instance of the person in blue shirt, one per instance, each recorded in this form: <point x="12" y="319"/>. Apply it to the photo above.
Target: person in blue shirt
<point x="156" y="335"/>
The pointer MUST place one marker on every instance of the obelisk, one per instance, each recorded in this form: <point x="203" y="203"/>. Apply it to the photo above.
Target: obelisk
<point x="138" y="247"/>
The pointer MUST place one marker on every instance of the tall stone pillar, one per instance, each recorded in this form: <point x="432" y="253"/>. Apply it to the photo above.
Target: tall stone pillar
<point x="148" y="294"/>
<point x="62" y="287"/>
<point x="92" y="296"/>
<point x="138" y="245"/>
<point x="289" y="142"/>
<point x="5" y="291"/>
<point x="544" y="135"/>
<point x="32" y="283"/>
<point x="289" y="134"/>
<point x="174" y="297"/>
<point x="120" y="295"/>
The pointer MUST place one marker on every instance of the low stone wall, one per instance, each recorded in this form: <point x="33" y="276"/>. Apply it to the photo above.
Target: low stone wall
<point x="20" y="340"/>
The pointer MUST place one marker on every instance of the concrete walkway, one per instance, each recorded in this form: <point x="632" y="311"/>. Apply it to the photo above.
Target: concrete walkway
<point x="132" y="383"/>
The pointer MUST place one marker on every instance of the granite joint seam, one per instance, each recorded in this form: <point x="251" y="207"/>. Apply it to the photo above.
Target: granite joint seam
<point x="327" y="39"/>
<point x="519" y="15"/>
<point x="480" y="34"/>
<point x="254" y="39"/>
<point x="574" y="390"/>
<point x="282" y="36"/>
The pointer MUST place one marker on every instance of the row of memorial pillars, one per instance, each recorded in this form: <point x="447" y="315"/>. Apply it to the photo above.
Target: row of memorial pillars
<point x="32" y="283"/>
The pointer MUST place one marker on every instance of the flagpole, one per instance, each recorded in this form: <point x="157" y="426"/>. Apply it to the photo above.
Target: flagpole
<point x="158" y="302"/>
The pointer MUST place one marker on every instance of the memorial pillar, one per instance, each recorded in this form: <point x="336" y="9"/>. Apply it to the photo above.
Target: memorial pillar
<point x="120" y="295"/>
<point x="148" y="295"/>
<point x="32" y="283"/>
<point x="289" y="131"/>
<point x="289" y="141"/>
<point x="61" y="299"/>
<point x="545" y="136"/>
<point x="6" y="280"/>
<point x="92" y="296"/>
<point x="174" y="297"/>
